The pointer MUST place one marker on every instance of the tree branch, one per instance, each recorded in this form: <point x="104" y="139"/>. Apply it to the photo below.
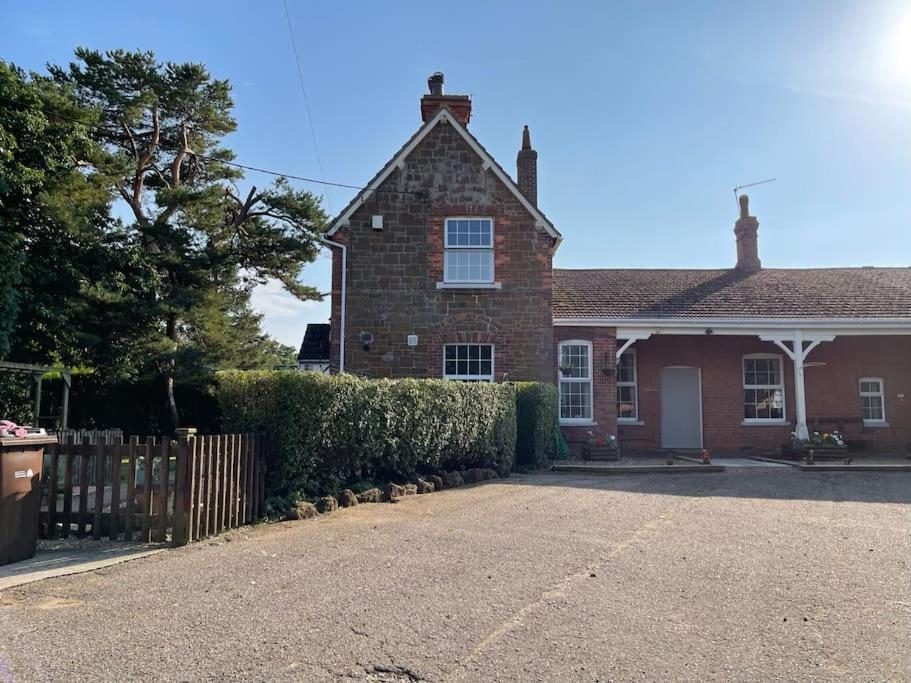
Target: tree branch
<point x="143" y="164"/>
<point x="131" y="139"/>
<point x="181" y="155"/>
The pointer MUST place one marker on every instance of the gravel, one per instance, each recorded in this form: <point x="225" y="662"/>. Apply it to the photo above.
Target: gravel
<point x="751" y="574"/>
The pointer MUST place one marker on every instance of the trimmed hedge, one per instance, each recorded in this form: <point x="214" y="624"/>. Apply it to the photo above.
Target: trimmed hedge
<point x="328" y="430"/>
<point x="537" y="433"/>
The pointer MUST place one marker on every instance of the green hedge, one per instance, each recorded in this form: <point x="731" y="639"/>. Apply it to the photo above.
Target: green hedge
<point x="537" y="433"/>
<point x="326" y="431"/>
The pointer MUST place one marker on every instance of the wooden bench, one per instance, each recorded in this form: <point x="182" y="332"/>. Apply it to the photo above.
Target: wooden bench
<point x="852" y="429"/>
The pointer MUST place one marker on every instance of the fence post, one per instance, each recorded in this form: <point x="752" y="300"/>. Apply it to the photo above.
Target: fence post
<point x="101" y="449"/>
<point x="182" y="496"/>
<point x="51" y="478"/>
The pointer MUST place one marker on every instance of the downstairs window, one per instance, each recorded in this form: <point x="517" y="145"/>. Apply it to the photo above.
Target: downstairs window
<point x="763" y="389"/>
<point x="575" y="372"/>
<point x="468" y="362"/>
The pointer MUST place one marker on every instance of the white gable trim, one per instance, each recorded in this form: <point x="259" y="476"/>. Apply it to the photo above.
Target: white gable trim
<point x="488" y="163"/>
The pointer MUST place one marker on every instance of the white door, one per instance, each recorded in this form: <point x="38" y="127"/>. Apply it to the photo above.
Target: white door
<point x="681" y="408"/>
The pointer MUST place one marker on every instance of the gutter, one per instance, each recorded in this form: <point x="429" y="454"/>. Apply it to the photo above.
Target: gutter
<point x="341" y="333"/>
<point x="732" y="325"/>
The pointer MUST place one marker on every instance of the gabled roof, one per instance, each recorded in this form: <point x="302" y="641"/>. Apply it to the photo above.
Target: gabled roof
<point x="770" y="293"/>
<point x="315" y="346"/>
<point x="398" y="161"/>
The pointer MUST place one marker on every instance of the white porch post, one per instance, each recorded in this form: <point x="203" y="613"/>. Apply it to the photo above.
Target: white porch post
<point x="798" y="354"/>
<point x="800" y="396"/>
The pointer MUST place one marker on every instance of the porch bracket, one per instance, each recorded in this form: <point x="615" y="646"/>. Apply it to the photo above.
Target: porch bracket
<point x="798" y="354"/>
<point x="631" y="338"/>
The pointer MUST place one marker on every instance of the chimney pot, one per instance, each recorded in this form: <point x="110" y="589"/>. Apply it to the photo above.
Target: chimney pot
<point x="746" y="230"/>
<point x="435" y="84"/>
<point x="459" y="105"/>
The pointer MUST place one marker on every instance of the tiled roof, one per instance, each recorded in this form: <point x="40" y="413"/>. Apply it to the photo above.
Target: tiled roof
<point x="768" y="293"/>
<point x="316" y="342"/>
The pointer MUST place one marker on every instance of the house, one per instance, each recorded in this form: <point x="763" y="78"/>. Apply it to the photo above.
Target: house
<point x="314" y="351"/>
<point x="442" y="267"/>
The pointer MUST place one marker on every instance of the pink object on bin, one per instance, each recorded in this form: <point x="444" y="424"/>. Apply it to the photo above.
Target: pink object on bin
<point x="12" y="429"/>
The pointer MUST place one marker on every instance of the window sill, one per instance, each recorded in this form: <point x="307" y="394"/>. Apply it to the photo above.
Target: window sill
<point x="765" y="423"/>
<point x="876" y="424"/>
<point x="578" y="423"/>
<point x="469" y="285"/>
<point x="630" y="422"/>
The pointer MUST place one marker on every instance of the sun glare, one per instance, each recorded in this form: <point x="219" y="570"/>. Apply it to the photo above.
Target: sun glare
<point x="897" y="55"/>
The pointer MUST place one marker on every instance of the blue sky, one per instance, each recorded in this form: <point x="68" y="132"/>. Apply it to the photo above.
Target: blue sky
<point x="645" y="114"/>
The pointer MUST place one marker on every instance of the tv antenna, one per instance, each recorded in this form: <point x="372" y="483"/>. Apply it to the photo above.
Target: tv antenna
<point x="743" y="187"/>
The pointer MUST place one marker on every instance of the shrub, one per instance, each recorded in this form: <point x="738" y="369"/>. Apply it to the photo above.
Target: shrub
<point x="537" y="433"/>
<point x="326" y="430"/>
<point x="16" y="401"/>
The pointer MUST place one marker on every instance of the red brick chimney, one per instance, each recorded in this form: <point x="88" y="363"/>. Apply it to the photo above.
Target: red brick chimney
<point x="459" y="105"/>
<point x="527" y="169"/>
<point x="747" y="231"/>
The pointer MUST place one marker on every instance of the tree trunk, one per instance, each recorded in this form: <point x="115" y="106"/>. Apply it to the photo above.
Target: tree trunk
<point x="171" y="416"/>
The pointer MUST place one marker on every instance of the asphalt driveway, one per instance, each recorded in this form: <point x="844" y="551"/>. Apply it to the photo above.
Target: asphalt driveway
<point x="752" y="574"/>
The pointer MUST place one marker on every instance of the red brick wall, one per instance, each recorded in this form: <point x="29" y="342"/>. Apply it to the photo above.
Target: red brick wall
<point x="393" y="273"/>
<point x="604" y="405"/>
<point x="831" y="389"/>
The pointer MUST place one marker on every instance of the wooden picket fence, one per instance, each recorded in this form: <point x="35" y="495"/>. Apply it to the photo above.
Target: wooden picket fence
<point x="153" y="490"/>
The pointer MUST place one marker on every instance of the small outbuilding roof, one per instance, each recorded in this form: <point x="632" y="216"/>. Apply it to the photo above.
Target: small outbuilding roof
<point x="772" y="293"/>
<point x="315" y="346"/>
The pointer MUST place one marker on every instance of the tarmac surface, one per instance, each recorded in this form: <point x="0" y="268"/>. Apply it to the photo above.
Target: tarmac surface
<point x="751" y="574"/>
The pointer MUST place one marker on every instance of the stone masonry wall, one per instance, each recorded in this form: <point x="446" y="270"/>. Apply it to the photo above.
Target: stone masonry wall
<point x="393" y="273"/>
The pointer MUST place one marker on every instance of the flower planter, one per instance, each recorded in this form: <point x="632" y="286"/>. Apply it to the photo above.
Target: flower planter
<point x="600" y="452"/>
<point x="827" y="450"/>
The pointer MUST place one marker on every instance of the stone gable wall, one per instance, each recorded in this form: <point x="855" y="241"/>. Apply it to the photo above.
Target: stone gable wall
<point x="393" y="273"/>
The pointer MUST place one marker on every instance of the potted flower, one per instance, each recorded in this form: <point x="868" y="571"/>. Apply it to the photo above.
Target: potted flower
<point x="822" y="444"/>
<point x="828" y="443"/>
<point x="601" y="448"/>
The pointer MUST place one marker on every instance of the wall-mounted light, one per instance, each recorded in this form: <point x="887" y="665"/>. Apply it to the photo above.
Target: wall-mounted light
<point x="366" y="340"/>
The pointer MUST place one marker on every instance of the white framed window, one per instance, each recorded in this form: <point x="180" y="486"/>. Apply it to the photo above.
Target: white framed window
<point x="468" y="362"/>
<point x="468" y="253"/>
<point x="872" y="400"/>
<point x="314" y="366"/>
<point x="575" y="373"/>
<point x="763" y="388"/>
<point x="627" y="387"/>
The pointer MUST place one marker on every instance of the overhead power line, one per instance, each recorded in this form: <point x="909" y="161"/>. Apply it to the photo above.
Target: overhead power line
<point x="300" y="77"/>
<point x="204" y="157"/>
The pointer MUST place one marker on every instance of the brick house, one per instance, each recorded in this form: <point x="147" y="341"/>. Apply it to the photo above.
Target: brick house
<point x="442" y="267"/>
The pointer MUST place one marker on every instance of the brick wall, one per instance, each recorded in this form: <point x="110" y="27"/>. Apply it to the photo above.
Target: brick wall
<point x="831" y="389"/>
<point x="393" y="273"/>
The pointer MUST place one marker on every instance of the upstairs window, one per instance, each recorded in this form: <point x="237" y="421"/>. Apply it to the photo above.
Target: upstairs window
<point x="763" y="389"/>
<point x="627" y="390"/>
<point x="468" y="362"/>
<point x="468" y="254"/>
<point x="575" y="372"/>
<point x="872" y="404"/>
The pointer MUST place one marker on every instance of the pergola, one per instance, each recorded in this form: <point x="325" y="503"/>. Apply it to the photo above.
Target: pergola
<point x="36" y="372"/>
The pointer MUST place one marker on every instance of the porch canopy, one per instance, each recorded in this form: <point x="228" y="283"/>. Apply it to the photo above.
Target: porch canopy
<point x="796" y="309"/>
